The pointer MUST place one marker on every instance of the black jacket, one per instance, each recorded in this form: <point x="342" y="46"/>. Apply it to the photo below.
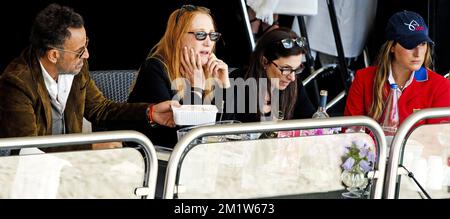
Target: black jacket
<point x="153" y="86"/>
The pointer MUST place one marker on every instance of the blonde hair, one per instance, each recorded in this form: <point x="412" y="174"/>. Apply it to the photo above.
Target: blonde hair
<point x="168" y="50"/>
<point x="383" y="64"/>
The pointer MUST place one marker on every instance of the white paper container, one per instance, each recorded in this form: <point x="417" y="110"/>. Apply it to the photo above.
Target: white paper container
<point x="183" y="131"/>
<point x="194" y="114"/>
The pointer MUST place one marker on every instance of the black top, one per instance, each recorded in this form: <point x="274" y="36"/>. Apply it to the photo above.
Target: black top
<point x="153" y="86"/>
<point x="303" y="107"/>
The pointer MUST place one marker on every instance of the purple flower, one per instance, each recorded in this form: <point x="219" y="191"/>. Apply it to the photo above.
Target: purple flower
<point x="359" y="155"/>
<point x="371" y="156"/>
<point x="363" y="152"/>
<point x="365" y="166"/>
<point x="346" y="150"/>
<point x="360" y="144"/>
<point x="348" y="164"/>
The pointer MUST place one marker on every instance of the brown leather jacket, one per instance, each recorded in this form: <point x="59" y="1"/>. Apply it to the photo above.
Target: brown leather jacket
<point x="25" y="108"/>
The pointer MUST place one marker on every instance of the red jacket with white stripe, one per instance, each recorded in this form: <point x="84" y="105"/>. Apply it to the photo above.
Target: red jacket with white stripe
<point x="427" y="90"/>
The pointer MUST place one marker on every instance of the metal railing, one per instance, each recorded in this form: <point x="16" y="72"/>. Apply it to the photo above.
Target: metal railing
<point x="400" y="137"/>
<point x="151" y="163"/>
<point x="185" y="142"/>
<point x="315" y="73"/>
<point x="336" y="99"/>
<point x="247" y="22"/>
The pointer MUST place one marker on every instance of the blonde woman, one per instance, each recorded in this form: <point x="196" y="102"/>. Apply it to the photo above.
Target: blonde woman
<point x="404" y="60"/>
<point x="180" y="66"/>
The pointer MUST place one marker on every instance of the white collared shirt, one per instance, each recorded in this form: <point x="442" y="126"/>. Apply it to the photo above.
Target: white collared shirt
<point x="58" y="91"/>
<point x="392" y="81"/>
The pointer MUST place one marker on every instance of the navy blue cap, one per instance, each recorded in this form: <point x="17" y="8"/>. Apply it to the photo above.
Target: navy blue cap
<point x="407" y="28"/>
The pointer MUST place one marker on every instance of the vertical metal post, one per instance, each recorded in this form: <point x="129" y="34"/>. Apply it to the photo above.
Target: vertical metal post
<point x="247" y="22"/>
<point x="308" y="55"/>
<point x="338" y="40"/>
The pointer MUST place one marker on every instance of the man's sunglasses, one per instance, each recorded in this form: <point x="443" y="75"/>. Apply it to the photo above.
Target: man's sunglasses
<point x="201" y="35"/>
<point x="79" y="54"/>
<point x="289" y="70"/>
<point x="288" y="43"/>
<point x="185" y="8"/>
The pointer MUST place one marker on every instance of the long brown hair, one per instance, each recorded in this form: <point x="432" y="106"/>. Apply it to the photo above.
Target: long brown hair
<point x="168" y="49"/>
<point x="383" y="63"/>
<point x="268" y="49"/>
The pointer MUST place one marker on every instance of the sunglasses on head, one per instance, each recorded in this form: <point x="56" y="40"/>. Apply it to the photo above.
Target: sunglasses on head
<point x="185" y="8"/>
<point x="201" y="35"/>
<point x="288" y="43"/>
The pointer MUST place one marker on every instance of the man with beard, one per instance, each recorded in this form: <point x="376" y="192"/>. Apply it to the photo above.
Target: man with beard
<point x="48" y="89"/>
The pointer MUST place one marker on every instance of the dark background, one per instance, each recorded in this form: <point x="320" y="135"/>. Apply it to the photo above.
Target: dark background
<point x="122" y="33"/>
<point x="436" y="14"/>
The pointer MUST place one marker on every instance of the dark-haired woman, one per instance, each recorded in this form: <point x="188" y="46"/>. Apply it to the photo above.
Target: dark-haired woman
<point x="272" y="90"/>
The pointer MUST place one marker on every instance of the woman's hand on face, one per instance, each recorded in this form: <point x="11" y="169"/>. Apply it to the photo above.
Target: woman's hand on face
<point x="191" y="66"/>
<point x="218" y="69"/>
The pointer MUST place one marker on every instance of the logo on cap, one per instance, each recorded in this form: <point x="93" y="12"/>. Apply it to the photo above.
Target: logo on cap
<point x="414" y="26"/>
<point x="407" y="28"/>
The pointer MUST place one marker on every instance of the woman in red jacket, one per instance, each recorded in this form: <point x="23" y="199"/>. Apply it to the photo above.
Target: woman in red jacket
<point x="405" y="60"/>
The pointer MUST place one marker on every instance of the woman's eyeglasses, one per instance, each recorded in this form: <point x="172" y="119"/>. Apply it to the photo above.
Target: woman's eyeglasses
<point x="185" y="8"/>
<point x="288" y="70"/>
<point x="288" y="43"/>
<point x="201" y="35"/>
<point x="79" y="53"/>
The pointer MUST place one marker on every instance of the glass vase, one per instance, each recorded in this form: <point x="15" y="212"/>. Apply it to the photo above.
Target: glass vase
<point x="355" y="180"/>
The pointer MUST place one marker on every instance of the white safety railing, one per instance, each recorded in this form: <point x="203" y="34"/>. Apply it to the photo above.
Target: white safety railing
<point x="184" y="143"/>
<point x="150" y="159"/>
<point x="398" y="144"/>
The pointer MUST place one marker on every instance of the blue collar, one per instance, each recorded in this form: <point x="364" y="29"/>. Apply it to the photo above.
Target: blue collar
<point x="421" y="75"/>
